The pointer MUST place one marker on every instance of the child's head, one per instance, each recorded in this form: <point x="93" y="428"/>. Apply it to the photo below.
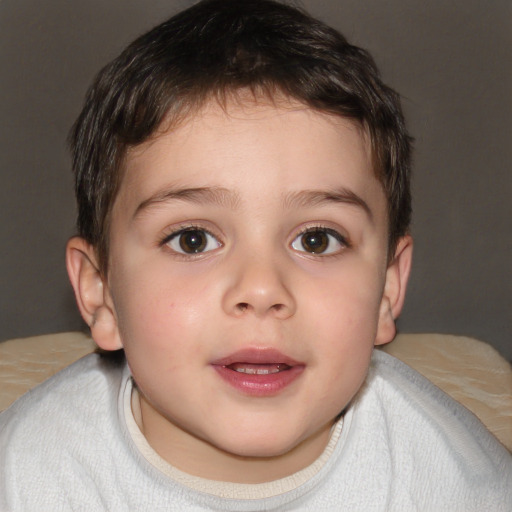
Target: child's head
<point x="215" y="50"/>
<point x="242" y="177"/>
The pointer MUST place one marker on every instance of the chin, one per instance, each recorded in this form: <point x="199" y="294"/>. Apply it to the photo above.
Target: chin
<point x="258" y="445"/>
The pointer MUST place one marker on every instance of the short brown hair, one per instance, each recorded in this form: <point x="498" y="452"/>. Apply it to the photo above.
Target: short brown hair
<point x="210" y="50"/>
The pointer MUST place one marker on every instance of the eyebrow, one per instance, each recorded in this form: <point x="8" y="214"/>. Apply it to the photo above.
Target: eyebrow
<point x="231" y="199"/>
<point x="200" y="195"/>
<point x="309" y="198"/>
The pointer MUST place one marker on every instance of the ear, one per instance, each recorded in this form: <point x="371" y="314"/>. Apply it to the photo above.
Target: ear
<point x="397" y="275"/>
<point x="92" y="293"/>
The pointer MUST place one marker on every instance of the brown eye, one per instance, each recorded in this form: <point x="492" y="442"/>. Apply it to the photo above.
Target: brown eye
<point x="319" y="241"/>
<point x="192" y="241"/>
<point x="315" y="242"/>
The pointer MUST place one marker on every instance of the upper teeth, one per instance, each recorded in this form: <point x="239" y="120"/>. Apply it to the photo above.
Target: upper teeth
<point x="259" y="371"/>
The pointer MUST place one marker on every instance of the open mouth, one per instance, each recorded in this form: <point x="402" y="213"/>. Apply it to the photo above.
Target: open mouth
<point x="258" y="369"/>
<point x="258" y="372"/>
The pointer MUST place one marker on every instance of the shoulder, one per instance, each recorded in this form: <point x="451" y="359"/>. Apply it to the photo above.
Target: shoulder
<point x="83" y="379"/>
<point x="409" y="395"/>
<point x="51" y="434"/>
<point x="431" y="438"/>
<point x="69" y="402"/>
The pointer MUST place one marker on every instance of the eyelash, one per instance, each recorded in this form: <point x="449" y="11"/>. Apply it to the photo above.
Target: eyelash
<point x="176" y="234"/>
<point x="340" y="239"/>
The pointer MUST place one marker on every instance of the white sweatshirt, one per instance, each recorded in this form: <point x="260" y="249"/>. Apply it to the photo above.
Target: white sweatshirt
<point x="402" y="445"/>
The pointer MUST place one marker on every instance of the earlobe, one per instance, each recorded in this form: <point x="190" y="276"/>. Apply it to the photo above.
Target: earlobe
<point x="397" y="276"/>
<point x="92" y="294"/>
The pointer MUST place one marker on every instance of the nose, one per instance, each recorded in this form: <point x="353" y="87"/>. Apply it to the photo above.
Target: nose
<point x="257" y="286"/>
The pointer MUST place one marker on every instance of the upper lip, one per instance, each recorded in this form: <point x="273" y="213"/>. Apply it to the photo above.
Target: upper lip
<point x="257" y="355"/>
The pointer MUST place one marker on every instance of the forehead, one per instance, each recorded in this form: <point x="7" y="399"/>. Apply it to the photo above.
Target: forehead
<point x="276" y="147"/>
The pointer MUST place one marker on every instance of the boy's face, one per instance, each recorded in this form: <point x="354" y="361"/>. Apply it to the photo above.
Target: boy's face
<point x="248" y="263"/>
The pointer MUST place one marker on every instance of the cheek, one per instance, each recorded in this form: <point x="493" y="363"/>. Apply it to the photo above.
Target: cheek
<point x="345" y="311"/>
<point x="348" y="301"/>
<point x="159" y="309"/>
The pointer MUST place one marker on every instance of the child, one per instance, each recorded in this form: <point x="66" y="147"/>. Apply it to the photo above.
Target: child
<point x="242" y="177"/>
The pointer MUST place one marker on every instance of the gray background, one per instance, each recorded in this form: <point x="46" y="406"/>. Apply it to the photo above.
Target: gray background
<point x="451" y="60"/>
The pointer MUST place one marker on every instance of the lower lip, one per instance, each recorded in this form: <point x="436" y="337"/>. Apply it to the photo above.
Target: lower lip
<point x="269" y="384"/>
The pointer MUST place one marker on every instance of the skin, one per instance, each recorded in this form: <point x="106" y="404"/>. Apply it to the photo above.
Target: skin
<point x="267" y="172"/>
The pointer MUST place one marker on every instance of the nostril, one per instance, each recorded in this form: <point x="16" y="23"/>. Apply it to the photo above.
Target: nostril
<point x="242" y="306"/>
